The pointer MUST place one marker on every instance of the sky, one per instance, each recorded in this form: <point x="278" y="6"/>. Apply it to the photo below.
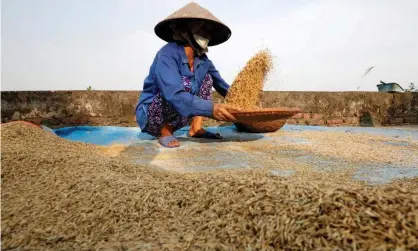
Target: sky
<point x="318" y="45"/>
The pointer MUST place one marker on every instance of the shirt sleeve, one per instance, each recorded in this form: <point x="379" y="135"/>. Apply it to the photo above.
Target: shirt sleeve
<point x="218" y="82"/>
<point x="170" y="84"/>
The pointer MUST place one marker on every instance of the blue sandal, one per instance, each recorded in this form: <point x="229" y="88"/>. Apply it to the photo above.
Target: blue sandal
<point x="164" y="141"/>
<point x="209" y="135"/>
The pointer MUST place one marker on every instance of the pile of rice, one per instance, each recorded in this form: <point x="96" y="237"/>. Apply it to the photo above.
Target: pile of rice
<point x="61" y="195"/>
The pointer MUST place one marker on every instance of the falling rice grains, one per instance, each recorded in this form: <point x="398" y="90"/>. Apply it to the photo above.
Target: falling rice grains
<point x="246" y="89"/>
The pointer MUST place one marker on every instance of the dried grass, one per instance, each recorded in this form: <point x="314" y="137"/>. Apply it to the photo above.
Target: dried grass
<point x="245" y="91"/>
<point x="60" y="195"/>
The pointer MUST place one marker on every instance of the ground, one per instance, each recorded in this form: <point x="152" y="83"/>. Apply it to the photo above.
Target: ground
<point x="375" y="155"/>
<point x="301" y="188"/>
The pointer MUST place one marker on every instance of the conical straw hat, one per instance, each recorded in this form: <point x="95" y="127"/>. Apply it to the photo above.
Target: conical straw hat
<point x="192" y="11"/>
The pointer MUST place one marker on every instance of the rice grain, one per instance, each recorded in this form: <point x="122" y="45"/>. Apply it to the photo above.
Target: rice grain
<point x="62" y="195"/>
<point x="245" y="91"/>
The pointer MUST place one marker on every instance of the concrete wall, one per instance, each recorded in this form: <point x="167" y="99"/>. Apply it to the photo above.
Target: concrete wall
<point x="70" y="108"/>
<point x="117" y="107"/>
<point x="341" y="108"/>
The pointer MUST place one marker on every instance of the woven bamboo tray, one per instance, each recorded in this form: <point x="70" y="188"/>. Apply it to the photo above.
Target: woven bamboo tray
<point x="264" y="114"/>
<point x="263" y="120"/>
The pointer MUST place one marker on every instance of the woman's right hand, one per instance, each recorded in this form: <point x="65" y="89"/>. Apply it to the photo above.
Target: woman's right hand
<point x="221" y="112"/>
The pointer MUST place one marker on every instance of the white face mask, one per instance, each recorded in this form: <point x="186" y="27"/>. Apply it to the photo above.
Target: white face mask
<point x="201" y="41"/>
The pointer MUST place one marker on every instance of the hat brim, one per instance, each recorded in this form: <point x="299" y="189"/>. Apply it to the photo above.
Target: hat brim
<point x="220" y="33"/>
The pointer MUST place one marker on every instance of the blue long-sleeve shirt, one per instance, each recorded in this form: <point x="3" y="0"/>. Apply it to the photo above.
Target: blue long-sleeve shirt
<point x="165" y="76"/>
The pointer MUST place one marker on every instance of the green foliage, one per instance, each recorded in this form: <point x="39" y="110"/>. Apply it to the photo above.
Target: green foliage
<point x="411" y="88"/>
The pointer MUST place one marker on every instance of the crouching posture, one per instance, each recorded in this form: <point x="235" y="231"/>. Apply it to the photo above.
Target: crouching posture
<point x="177" y="91"/>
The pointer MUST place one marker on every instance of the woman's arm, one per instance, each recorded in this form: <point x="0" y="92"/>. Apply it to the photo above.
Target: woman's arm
<point x="218" y="82"/>
<point x="170" y="83"/>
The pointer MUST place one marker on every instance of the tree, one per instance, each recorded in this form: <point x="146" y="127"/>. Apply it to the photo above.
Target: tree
<point x="412" y="87"/>
<point x="89" y="88"/>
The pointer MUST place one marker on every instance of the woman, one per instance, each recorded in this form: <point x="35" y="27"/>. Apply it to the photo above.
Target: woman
<point x="178" y="89"/>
